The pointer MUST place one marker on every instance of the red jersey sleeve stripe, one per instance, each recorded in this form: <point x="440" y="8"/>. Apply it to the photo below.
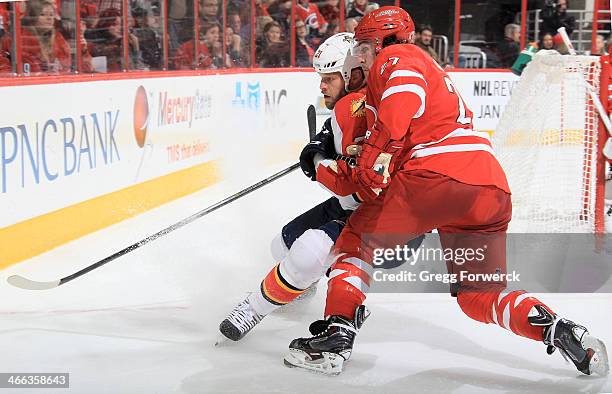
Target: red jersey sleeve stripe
<point x="407" y="88"/>
<point x="406" y="73"/>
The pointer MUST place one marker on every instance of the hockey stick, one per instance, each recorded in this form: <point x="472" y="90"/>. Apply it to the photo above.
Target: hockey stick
<point x="28" y="284"/>
<point x="25" y="283"/>
<point x="311" y="116"/>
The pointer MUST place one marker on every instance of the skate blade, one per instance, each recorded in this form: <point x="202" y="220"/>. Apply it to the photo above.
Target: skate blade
<point x="328" y="364"/>
<point x="599" y="362"/>
<point x="220" y="340"/>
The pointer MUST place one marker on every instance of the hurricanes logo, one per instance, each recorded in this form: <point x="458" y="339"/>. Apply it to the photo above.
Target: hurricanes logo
<point x="141" y="116"/>
<point x="312" y="21"/>
<point x="358" y="108"/>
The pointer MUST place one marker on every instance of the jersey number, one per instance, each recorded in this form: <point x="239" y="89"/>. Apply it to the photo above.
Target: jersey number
<point x="462" y="118"/>
<point x="393" y="61"/>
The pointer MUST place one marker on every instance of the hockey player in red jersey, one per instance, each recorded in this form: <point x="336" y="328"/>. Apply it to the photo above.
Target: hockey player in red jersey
<point x="302" y="250"/>
<point x="433" y="171"/>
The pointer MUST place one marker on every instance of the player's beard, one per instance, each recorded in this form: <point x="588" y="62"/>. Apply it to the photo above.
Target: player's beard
<point x="335" y="99"/>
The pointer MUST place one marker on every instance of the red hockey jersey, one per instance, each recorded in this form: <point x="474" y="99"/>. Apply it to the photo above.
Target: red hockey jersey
<point x="311" y="16"/>
<point x="348" y="123"/>
<point x="410" y="96"/>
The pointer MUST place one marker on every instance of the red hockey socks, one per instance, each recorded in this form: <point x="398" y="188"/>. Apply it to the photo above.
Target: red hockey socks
<point x="348" y="284"/>
<point x="508" y="309"/>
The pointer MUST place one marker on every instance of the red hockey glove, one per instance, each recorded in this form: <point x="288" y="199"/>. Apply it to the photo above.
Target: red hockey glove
<point x="376" y="162"/>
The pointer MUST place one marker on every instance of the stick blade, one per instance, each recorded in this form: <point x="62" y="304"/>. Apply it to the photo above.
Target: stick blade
<point x="27" y="284"/>
<point x="311" y="116"/>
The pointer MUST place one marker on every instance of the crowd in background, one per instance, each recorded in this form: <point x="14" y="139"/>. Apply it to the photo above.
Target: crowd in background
<point x="49" y="38"/>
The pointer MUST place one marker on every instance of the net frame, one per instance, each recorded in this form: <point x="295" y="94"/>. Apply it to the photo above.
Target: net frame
<point x="550" y="142"/>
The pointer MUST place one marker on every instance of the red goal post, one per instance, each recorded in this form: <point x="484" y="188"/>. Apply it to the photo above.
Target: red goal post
<point x="605" y="96"/>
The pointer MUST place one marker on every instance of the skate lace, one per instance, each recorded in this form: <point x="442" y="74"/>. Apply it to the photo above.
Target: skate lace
<point x="340" y="325"/>
<point x="345" y="326"/>
<point x="244" y="317"/>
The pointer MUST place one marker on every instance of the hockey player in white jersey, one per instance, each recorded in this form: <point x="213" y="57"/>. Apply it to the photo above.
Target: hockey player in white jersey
<point x="301" y="250"/>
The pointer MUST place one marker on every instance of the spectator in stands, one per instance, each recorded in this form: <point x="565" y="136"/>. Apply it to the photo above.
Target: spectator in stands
<point x="148" y="39"/>
<point x="180" y="22"/>
<point x="309" y="13"/>
<point x="108" y="42"/>
<point x="234" y="21"/>
<point x="233" y="44"/>
<point x="86" y="65"/>
<point x="424" y="35"/>
<point x="371" y="7"/>
<point x="359" y="8"/>
<point x="274" y="52"/>
<point x="209" y="12"/>
<point x="44" y="49"/>
<point x="350" y="24"/>
<point x="212" y="40"/>
<point x="261" y="8"/>
<point x="600" y="46"/>
<point x="554" y="15"/>
<point x="281" y="13"/>
<point x="5" y="62"/>
<point x="260" y="23"/>
<point x="331" y="11"/>
<point x="546" y="42"/>
<point x="89" y="13"/>
<point x="509" y="49"/>
<point x="303" y="49"/>
<point x="184" y="57"/>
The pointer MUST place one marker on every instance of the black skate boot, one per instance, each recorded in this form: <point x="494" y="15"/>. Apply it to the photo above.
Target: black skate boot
<point x="330" y="346"/>
<point x="573" y="341"/>
<point x="240" y="321"/>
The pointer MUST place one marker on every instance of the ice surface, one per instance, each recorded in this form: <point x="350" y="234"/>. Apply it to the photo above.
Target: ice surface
<point x="147" y="322"/>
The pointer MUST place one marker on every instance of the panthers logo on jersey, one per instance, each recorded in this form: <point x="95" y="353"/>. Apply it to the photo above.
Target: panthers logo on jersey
<point x="358" y="108"/>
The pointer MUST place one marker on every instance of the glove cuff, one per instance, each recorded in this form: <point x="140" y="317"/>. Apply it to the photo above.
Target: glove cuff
<point x="377" y="138"/>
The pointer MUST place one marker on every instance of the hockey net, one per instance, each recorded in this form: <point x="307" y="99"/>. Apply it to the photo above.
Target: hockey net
<point x="547" y="142"/>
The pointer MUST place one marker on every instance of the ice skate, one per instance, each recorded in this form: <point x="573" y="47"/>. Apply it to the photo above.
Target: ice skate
<point x="574" y="342"/>
<point x="331" y="345"/>
<point x="240" y="321"/>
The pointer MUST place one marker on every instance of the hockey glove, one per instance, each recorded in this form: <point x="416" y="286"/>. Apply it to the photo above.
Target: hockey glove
<point x="377" y="160"/>
<point x="323" y="144"/>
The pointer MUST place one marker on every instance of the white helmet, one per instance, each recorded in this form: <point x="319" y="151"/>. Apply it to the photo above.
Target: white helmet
<point x="334" y="55"/>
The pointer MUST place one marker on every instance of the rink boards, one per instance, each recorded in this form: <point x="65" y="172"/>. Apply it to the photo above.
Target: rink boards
<point x="78" y="157"/>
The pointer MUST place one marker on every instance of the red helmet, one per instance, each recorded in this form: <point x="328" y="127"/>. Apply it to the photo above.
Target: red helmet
<point x="385" y="22"/>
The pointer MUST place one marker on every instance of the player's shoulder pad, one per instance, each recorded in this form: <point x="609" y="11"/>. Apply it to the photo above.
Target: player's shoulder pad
<point x="400" y="56"/>
<point x="401" y="50"/>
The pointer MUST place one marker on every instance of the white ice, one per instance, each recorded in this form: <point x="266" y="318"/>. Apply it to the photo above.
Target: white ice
<point x="146" y="322"/>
